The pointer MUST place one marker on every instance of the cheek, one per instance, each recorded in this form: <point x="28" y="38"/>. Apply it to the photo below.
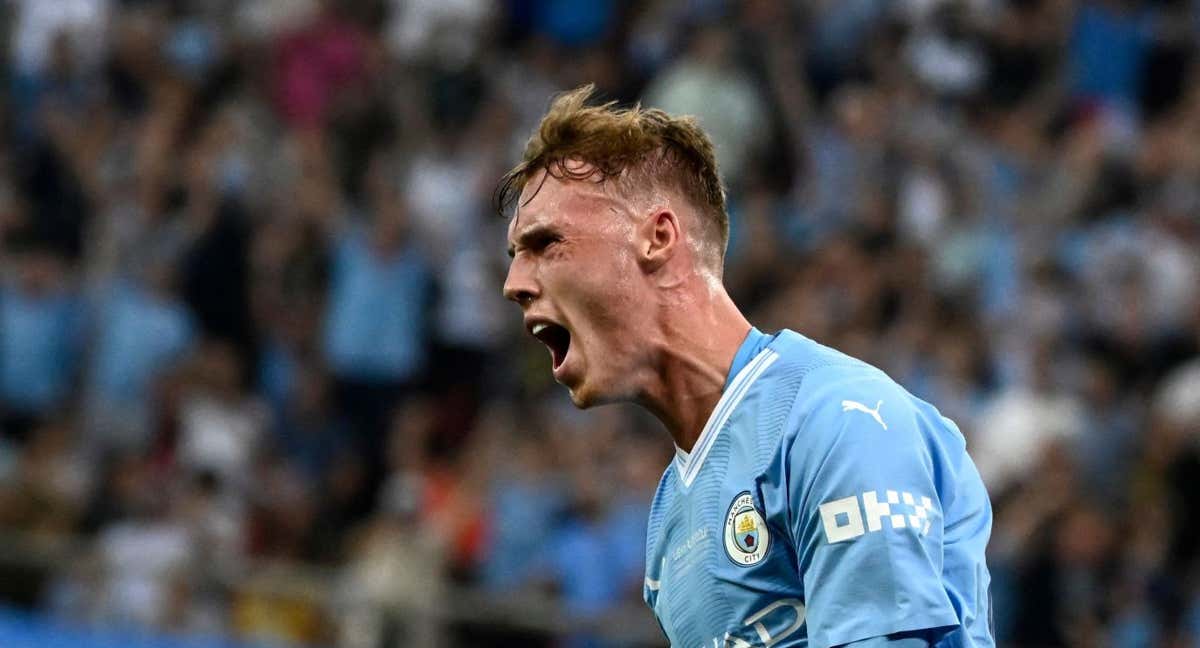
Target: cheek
<point x="609" y="283"/>
<point x="613" y="313"/>
<point x="596" y="283"/>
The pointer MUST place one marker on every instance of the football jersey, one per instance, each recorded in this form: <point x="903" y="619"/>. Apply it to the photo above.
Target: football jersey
<point x="822" y="504"/>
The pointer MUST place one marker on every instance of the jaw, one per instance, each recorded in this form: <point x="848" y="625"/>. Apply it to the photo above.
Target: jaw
<point x="608" y="360"/>
<point x="573" y="377"/>
<point x="585" y="387"/>
<point x="579" y="399"/>
<point x="614" y="382"/>
<point x="584" y="397"/>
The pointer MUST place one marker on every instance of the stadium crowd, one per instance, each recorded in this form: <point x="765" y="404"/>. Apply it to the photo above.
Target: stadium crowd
<point x="250" y="306"/>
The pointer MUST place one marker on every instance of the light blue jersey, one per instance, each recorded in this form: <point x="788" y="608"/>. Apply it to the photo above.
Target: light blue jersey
<point x="822" y="505"/>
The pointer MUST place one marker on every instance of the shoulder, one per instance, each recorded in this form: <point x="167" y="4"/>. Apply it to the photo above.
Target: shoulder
<point x="827" y="381"/>
<point x="815" y="363"/>
<point x="837" y="396"/>
<point x="791" y="364"/>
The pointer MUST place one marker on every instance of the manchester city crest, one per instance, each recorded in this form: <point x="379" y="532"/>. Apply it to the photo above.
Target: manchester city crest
<point x="746" y="536"/>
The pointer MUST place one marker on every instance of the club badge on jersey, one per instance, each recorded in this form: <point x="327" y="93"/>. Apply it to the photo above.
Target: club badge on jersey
<point x="746" y="535"/>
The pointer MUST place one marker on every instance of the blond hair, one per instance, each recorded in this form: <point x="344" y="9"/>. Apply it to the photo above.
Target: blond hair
<point x="634" y="148"/>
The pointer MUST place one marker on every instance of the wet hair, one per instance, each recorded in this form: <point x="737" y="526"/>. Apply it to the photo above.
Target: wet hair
<point x="633" y="148"/>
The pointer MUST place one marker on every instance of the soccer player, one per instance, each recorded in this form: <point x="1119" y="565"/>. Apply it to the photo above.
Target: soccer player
<point x="812" y="500"/>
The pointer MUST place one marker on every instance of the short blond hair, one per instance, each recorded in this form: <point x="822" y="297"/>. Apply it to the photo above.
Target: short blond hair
<point x="631" y="147"/>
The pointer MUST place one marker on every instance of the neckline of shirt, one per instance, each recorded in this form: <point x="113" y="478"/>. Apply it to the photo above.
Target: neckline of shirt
<point x="687" y="464"/>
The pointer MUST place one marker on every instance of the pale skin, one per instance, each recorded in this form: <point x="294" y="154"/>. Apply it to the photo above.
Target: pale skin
<point x="632" y="278"/>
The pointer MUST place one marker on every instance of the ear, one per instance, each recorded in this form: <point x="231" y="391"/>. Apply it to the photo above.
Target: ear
<point x="659" y="238"/>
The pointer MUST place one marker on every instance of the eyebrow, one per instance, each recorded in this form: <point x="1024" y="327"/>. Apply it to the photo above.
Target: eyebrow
<point x="529" y="234"/>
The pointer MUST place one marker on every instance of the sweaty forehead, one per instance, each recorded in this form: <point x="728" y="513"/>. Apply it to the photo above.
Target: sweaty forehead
<point x="564" y="203"/>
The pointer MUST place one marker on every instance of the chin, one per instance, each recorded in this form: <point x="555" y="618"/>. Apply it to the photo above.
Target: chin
<point x="579" y="400"/>
<point x="582" y="394"/>
<point x="582" y="397"/>
<point x="585" y="395"/>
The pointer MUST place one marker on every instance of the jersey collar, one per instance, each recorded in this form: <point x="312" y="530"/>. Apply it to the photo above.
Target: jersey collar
<point x="755" y="342"/>
<point x="752" y="358"/>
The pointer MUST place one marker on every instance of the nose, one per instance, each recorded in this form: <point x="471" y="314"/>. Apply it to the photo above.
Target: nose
<point x="519" y="285"/>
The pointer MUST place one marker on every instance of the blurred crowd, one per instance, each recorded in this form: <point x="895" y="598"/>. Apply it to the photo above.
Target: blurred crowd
<point x="250" y="307"/>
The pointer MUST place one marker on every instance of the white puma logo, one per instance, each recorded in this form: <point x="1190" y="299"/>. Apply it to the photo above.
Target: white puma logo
<point x="848" y="405"/>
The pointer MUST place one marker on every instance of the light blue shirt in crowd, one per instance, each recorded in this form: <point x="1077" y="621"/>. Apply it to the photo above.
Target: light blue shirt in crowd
<point x="138" y="336"/>
<point x="375" y="327"/>
<point x="39" y="344"/>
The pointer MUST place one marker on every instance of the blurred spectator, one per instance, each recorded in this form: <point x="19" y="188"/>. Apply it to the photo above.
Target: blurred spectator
<point x="375" y="327"/>
<point x="38" y="25"/>
<point x="215" y="263"/>
<point x="44" y="492"/>
<point x="843" y="151"/>
<point x="40" y="339"/>
<point x="451" y="33"/>
<point x="707" y="83"/>
<point x="221" y="425"/>
<point x="308" y="432"/>
<point x="526" y="502"/>
<point x="943" y="53"/>
<point x="571" y="24"/>
<point x="1108" y="46"/>
<point x="143" y="328"/>
<point x="1022" y="423"/>
<point x="315" y="63"/>
<point x="139" y="552"/>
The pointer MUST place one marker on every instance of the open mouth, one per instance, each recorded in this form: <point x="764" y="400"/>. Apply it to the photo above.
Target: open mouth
<point x="556" y="338"/>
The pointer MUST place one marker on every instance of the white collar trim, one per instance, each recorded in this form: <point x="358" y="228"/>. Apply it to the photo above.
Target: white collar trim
<point x="688" y="464"/>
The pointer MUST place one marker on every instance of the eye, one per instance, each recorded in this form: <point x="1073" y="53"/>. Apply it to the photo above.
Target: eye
<point x="544" y="241"/>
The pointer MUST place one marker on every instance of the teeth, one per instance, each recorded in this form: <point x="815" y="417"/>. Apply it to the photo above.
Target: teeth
<point x="538" y="328"/>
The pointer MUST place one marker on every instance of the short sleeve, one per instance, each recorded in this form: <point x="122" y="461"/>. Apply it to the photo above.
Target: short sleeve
<point x="866" y="517"/>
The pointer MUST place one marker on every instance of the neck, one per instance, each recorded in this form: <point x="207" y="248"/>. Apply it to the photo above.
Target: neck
<point x="699" y="338"/>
